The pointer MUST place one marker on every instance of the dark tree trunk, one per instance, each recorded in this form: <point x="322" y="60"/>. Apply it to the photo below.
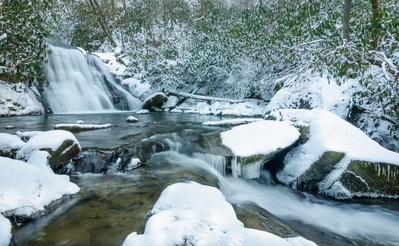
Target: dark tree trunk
<point x="376" y="18"/>
<point x="346" y="19"/>
<point x="204" y="28"/>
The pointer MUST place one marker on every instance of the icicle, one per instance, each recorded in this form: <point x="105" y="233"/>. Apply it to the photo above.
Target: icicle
<point x="389" y="171"/>
<point x="216" y="161"/>
<point x="379" y="170"/>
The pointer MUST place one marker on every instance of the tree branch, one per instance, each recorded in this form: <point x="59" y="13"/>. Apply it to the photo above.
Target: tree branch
<point x="312" y="42"/>
<point x="13" y="67"/>
<point x="4" y="36"/>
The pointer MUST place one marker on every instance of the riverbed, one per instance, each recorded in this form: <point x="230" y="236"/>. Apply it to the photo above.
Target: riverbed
<point x="111" y="206"/>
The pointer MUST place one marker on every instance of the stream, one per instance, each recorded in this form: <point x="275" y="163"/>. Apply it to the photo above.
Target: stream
<point x="111" y="206"/>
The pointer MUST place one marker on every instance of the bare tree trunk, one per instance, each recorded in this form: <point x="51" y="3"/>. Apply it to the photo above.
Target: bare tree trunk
<point x="104" y="27"/>
<point x="376" y="16"/>
<point x="2" y="5"/>
<point x="204" y="28"/>
<point x="120" y="20"/>
<point x="346" y="19"/>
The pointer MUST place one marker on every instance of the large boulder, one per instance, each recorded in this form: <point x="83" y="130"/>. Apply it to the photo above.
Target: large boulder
<point x="10" y="145"/>
<point x="256" y="143"/>
<point x="337" y="159"/>
<point x="61" y="145"/>
<point x="155" y="102"/>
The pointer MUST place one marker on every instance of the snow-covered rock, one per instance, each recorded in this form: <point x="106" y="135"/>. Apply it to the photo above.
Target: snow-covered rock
<point x="25" y="136"/>
<point x="198" y="215"/>
<point x="337" y="159"/>
<point x="61" y="145"/>
<point x="256" y="143"/>
<point x="80" y="122"/>
<point x="18" y="99"/>
<point x="134" y="163"/>
<point x="154" y="102"/>
<point x="132" y="119"/>
<point x="232" y="122"/>
<point x="26" y="189"/>
<point x="10" y="144"/>
<point x="5" y="231"/>
<point x="143" y="111"/>
<point x="81" y="127"/>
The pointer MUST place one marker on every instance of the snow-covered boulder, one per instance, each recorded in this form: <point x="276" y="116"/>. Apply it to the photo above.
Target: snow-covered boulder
<point x="256" y="143"/>
<point x="61" y="145"/>
<point x="5" y="231"/>
<point x="155" y="102"/>
<point x="194" y="214"/>
<point x="10" y="145"/>
<point x="81" y="127"/>
<point x="25" y="136"/>
<point x="18" y="99"/>
<point x="26" y="189"/>
<point x="132" y="119"/>
<point x="337" y="159"/>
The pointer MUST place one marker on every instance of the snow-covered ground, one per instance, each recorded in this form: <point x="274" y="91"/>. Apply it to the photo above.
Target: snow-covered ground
<point x="5" y="231"/>
<point x="198" y="215"/>
<point x="18" y="99"/>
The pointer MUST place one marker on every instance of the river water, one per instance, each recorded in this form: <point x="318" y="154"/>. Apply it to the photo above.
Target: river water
<point x="111" y="206"/>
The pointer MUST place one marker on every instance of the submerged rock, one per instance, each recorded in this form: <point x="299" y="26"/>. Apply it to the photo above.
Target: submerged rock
<point x="155" y="102"/>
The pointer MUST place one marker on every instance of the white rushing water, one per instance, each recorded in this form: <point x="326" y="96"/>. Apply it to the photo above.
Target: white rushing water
<point x="76" y="84"/>
<point x="355" y="221"/>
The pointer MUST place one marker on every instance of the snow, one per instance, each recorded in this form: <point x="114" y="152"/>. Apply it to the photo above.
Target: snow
<point x="5" y="231"/>
<point x="138" y="89"/>
<point x="134" y="163"/>
<point x="9" y="142"/>
<point x="143" y="111"/>
<point x="81" y="126"/>
<point x="50" y="139"/>
<point x="18" y="99"/>
<point x="171" y="102"/>
<point x="232" y="122"/>
<point x="80" y="122"/>
<point x="131" y="119"/>
<point x="329" y="132"/>
<point x="40" y="160"/>
<point x="249" y="107"/>
<point x="27" y="135"/>
<point x="198" y="215"/>
<point x="262" y="137"/>
<point x="313" y="91"/>
<point x="26" y="189"/>
<point x="109" y="60"/>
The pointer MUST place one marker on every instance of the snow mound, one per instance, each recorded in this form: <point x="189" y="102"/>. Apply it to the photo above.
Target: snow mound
<point x="26" y="189"/>
<point x="198" y="215"/>
<point x="132" y="119"/>
<point x="232" y="122"/>
<point x="81" y="127"/>
<point x="259" y="138"/>
<point x="143" y="111"/>
<point x="5" y="231"/>
<point x="18" y="99"/>
<point x="25" y="136"/>
<point x="10" y="142"/>
<point x="50" y="139"/>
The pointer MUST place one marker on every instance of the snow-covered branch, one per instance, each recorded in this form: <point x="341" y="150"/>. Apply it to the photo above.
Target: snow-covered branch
<point x="199" y="18"/>
<point x="312" y="42"/>
<point x="204" y="98"/>
<point x="4" y="36"/>
<point x="16" y="64"/>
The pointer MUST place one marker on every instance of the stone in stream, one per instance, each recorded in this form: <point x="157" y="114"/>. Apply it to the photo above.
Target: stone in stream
<point x="9" y="127"/>
<point x="336" y="159"/>
<point x="80" y="127"/>
<point x="61" y="145"/>
<point x="155" y="102"/>
<point x="132" y="119"/>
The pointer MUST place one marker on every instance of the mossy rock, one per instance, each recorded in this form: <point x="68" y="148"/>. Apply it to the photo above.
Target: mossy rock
<point x="11" y="154"/>
<point x="58" y="156"/>
<point x="366" y="177"/>
<point x="319" y="170"/>
<point x="305" y="133"/>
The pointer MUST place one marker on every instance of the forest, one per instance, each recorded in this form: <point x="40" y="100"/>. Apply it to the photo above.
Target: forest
<point x="227" y="48"/>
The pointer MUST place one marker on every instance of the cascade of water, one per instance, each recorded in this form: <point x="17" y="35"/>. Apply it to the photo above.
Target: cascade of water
<point x="247" y="171"/>
<point x="216" y="161"/>
<point x="350" y="220"/>
<point x="76" y="85"/>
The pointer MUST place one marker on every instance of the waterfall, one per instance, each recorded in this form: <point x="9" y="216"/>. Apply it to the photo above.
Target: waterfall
<point x="81" y="83"/>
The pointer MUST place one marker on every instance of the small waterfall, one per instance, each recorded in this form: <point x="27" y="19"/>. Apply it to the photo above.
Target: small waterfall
<point x="246" y="171"/>
<point x="77" y="83"/>
<point x="216" y="161"/>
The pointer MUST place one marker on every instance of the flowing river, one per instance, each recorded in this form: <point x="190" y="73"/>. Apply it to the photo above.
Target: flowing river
<point x="111" y="206"/>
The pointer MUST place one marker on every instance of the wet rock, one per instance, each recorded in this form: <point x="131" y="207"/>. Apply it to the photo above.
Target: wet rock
<point x="94" y="161"/>
<point x="9" y="127"/>
<point x="319" y="170"/>
<point x="375" y="179"/>
<point x="155" y="102"/>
